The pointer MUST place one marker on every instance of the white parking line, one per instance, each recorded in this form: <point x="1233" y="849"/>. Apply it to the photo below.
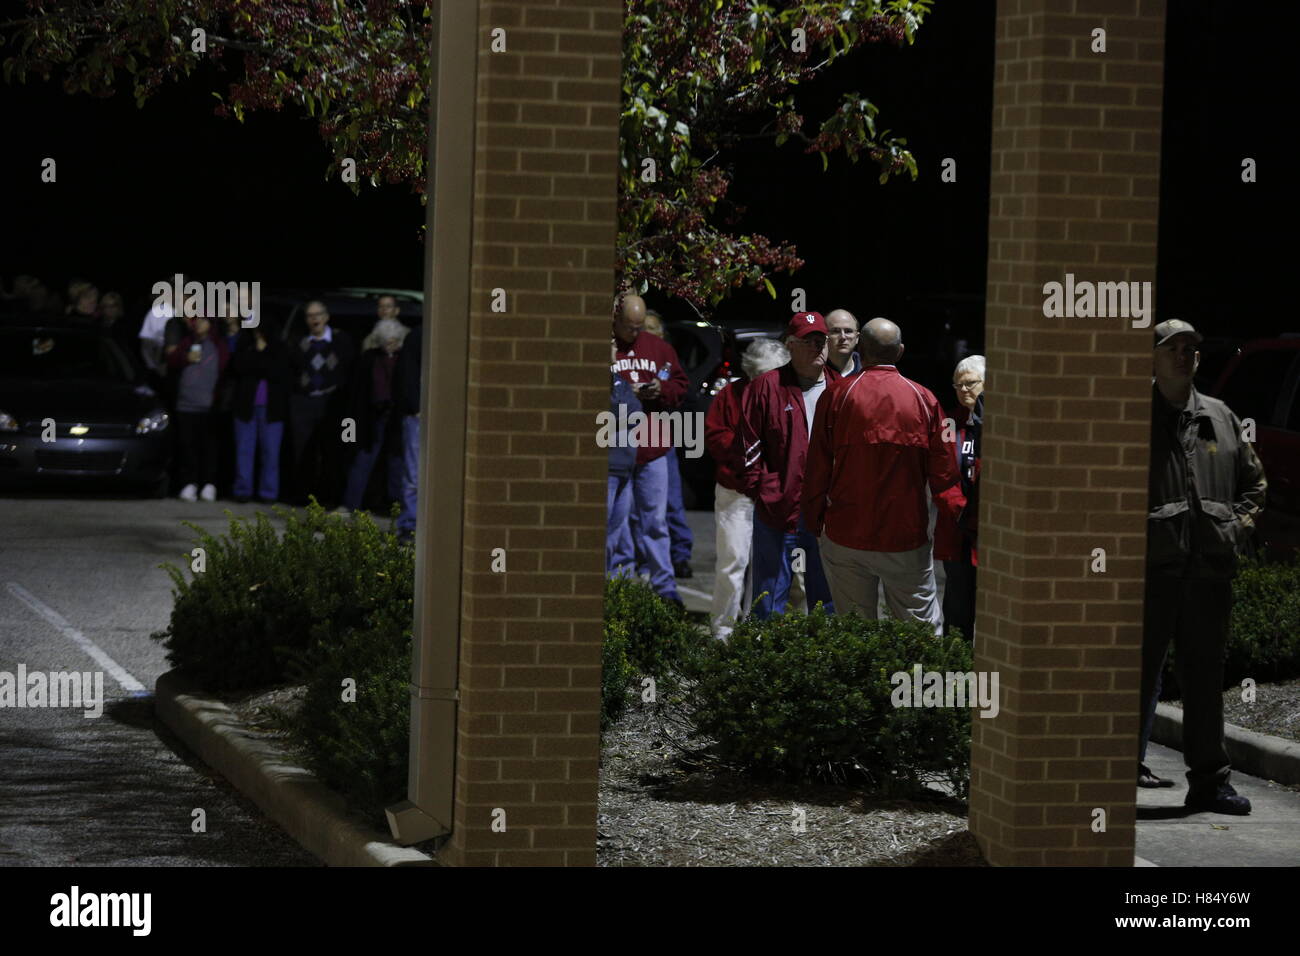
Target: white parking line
<point x="55" y="619"/>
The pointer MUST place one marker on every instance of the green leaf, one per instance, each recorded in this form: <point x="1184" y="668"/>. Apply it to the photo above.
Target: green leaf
<point x="771" y="289"/>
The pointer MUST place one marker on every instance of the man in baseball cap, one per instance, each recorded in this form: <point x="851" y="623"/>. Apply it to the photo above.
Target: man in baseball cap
<point x="1205" y="489"/>
<point x="775" y="421"/>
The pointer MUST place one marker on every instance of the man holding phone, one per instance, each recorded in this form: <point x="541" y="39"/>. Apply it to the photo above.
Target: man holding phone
<point x="651" y="366"/>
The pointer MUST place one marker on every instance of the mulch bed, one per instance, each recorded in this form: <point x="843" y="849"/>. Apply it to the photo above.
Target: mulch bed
<point x="1275" y="710"/>
<point x="656" y="810"/>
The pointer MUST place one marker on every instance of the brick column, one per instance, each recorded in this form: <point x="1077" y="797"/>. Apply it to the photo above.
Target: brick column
<point x="1075" y="185"/>
<point x="545" y="186"/>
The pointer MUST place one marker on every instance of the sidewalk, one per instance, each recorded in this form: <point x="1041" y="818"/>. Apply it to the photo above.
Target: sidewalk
<point x="1167" y="836"/>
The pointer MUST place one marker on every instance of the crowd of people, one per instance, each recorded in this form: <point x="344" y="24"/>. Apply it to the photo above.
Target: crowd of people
<point x="259" y="416"/>
<point x="818" y="431"/>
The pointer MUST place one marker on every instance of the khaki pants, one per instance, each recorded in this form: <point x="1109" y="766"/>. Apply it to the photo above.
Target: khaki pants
<point x="908" y="578"/>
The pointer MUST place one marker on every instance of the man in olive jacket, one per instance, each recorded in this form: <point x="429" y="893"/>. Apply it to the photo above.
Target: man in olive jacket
<point x="1205" y="489"/>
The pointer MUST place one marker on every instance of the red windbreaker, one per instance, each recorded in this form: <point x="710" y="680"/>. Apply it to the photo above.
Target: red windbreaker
<point x="721" y="426"/>
<point x="773" y="444"/>
<point x="877" y="443"/>
<point x="647" y="358"/>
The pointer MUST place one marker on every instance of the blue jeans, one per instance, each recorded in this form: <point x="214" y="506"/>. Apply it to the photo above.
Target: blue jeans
<point x="772" y="569"/>
<point x="679" y="532"/>
<point x="263" y="438"/>
<point x="619" y="556"/>
<point x="410" y="473"/>
<point x="650" y="503"/>
<point x="363" y="463"/>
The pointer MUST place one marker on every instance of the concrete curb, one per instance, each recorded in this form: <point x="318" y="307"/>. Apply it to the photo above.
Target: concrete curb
<point x="309" y="811"/>
<point x="1260" y="755"/>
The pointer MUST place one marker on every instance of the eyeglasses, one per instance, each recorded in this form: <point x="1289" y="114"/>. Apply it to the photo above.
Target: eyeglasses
<point x="843" y="333"/>
<point x="967" y="386"/>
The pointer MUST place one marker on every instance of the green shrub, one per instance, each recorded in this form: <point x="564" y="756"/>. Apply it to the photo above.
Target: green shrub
<point x="360" y="748"/>
<point x="1264" y="633"/>
<point x="616" y="673"/>
<point x="810" y="696"/>
<point x="267" y="604"/>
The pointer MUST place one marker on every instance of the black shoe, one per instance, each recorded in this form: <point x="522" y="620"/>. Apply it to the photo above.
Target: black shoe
<point x="1222" y="800"/>
<point x="682" y="569"/>
<point x="1149" y="780"/>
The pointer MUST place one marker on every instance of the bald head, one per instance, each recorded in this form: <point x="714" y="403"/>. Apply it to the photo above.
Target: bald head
<point x="843" y="338"/>
<point x="882" y="343"/>
<point x="630" y="320"/>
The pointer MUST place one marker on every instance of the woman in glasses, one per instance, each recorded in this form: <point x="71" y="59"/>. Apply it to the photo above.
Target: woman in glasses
<point x="954" y="540"/>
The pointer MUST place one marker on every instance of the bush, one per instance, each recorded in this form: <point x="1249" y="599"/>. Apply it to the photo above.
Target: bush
<point x="1264" y="633"/>
<point x="616" y="673"/>
<point x="267" y="605"/>
<point x="809" y="696"/>
<point x="361" y="748"/>
<point x="644" y="637"/>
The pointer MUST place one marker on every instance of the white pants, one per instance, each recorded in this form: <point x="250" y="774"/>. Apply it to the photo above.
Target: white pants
<point x="733" y="516"/>
<point x="907" y="576"/>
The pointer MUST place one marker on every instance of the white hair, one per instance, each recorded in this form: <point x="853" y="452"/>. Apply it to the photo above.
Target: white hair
<point x="971" y="363"/>
<point x="385" y="329"/>
<point x="763" y="355"/>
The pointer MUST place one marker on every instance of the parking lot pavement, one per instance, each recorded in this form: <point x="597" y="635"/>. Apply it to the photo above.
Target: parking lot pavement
<point x="81" y="591"/>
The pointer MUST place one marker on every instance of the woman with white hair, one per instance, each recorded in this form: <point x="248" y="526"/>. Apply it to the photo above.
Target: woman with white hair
<point x="954" y="539"/>
<point x="733" y="511"/>
<point x="371" y="408"/>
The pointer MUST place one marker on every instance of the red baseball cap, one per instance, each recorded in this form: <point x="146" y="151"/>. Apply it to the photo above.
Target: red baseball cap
<point x="806" y="323"/>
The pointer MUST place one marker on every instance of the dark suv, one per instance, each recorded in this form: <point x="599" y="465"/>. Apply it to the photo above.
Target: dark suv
<point x="1262" y="383"/>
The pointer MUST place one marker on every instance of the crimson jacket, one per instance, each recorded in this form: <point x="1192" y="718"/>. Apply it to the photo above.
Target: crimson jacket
<point x="647" y="358"/>
<point x="720" y="434"/>
<point x="877" y="443"/>
<point x="949" y="536"/>
<point x="773" y="443"/>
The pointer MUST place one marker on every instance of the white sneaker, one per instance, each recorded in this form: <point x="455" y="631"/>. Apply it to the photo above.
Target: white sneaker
<point x="209" y="493"/>
<point x="189" y="493"/>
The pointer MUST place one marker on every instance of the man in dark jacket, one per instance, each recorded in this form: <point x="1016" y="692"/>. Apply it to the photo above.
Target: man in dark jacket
<point x="406" y="404"/>
<point x="620" y="552"/>
<point x="776" y="414"/>
<point x="1206" y="487"/>
<point x="323" y="362"/>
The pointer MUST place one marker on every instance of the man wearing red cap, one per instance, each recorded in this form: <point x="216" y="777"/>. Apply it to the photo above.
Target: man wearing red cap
<point x="776" y="417"/>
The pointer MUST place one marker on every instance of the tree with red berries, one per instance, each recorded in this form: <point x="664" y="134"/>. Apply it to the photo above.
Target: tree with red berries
<point x="699" y="77"/>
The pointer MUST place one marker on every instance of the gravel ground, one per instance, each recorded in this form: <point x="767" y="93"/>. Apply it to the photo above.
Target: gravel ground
<point x="1275" y="710"/>
<point x="656" y="812"/>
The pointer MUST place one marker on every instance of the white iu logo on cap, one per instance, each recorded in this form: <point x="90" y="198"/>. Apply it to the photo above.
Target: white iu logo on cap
<point x="810" y="319"/>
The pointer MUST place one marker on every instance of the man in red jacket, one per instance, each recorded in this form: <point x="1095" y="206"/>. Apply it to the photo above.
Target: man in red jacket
<point x="652" y="368"/>
<point x="776" y="415"/>
<point x="877" y="443"/>
<point x="733" y="513"/>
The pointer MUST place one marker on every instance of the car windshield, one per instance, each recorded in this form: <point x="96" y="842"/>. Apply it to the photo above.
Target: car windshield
<point x="49" y="355"/>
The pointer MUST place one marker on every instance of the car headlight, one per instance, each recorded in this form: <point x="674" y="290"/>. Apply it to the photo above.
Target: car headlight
<point x="155" y="421"/>
<point x="8" y="423"/>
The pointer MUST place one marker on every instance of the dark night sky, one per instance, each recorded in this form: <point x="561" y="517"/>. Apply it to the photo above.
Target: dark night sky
<point x="173" y="188"/>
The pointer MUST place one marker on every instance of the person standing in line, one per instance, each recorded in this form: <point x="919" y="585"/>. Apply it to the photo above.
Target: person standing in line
<point x="372" y="404"/>
<point x="197" y="366"/>
<point x="842" y="342"/>
<point x="620" y="552"/>
<point x="406" y="405"/>
<point x="954" y="541"/>
<point x="876" y="457"/>
<point x="323" y="361"/>
<point x="1206" y="489"/>
<point x="652" y="368"/>
<point x="776" y="415"/>
<point x="261" y="377"/>
<point x="733" y="512"/>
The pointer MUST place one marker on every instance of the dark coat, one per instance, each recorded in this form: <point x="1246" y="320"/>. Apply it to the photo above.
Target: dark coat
<point x="361" y="404"/>
<point x="406" y="383"/>
<point x="248" y="366"/>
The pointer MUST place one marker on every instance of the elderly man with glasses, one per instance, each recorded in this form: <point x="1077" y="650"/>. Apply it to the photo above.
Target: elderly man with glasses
<point x="955" y="534"/>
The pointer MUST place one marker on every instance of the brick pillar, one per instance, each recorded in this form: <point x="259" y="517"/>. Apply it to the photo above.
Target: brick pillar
<point x="545" y="187"/>
<point x="1075" y="185"/>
